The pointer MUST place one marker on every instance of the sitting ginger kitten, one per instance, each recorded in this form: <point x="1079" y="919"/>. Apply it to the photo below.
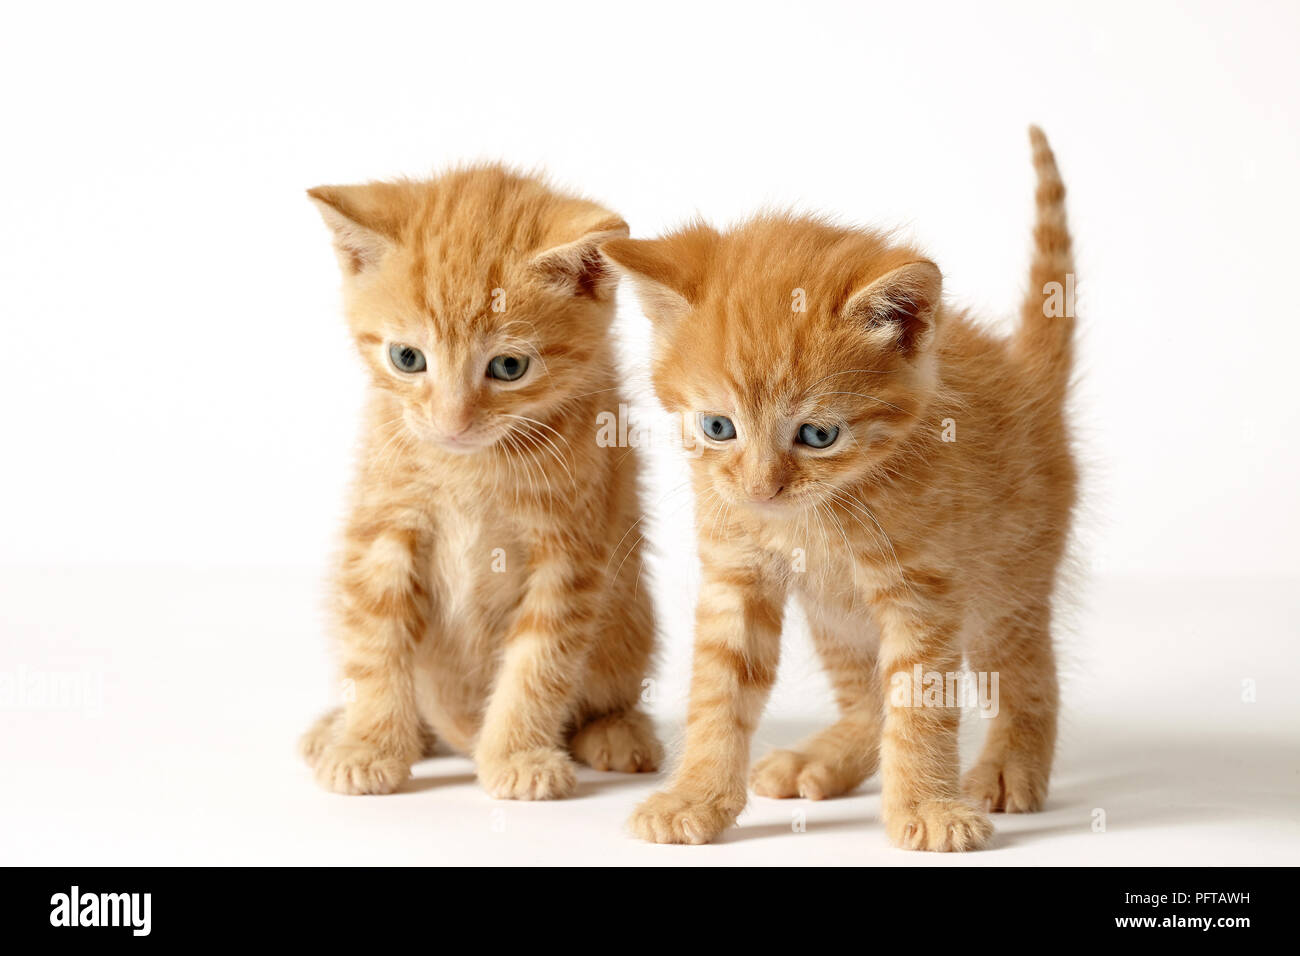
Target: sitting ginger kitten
<point x="822" y="370"/>
<point x="474" y="598"/>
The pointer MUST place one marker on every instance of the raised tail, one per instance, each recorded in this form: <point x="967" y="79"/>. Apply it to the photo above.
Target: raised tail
<point x="1045" y="340"/>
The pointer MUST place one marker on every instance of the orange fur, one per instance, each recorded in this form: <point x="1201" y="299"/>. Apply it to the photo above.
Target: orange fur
<point x="474" y="598"/>
<point x="904" y="548"/>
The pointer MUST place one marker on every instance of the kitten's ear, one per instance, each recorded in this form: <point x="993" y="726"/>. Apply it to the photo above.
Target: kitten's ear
<point x="576" y="268"/>
<point x="664" y="271"/>
<point x="899" y="307"/>
<point x="366" y="220"/>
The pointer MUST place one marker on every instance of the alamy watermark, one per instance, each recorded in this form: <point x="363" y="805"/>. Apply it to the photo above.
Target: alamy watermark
<point x="76" y="908"/>
<point x="71" y="690"/>
<point x="975" y="690"/>
<point x="628" y="427"/>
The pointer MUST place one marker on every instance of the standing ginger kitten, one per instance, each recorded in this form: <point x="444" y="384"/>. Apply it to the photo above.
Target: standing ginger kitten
<point x="823" y="370"/>
<point x="474" y="598"/>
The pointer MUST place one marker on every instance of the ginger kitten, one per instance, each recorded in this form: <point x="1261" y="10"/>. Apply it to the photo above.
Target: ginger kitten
<point x="474" y="599"/>
<point x="829" y="382"/>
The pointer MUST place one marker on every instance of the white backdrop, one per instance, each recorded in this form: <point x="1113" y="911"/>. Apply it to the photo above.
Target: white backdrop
<point x="180" y="400"/>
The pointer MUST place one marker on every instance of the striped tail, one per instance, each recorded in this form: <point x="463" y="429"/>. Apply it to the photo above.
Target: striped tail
<point x="1045" y="340"/>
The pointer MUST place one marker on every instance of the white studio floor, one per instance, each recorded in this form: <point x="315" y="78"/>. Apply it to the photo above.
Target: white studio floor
<point x="182" y="692"/>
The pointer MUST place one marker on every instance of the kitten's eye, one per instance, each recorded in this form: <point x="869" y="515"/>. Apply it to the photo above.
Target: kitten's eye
<point x="508" y="368"/>
<point x="814" y="436"/>
<point x="406" y="358"/>
<point x="717" y="427"/>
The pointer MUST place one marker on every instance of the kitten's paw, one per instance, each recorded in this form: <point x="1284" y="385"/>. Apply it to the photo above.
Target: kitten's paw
<point x="542" y="774"/>
<point x="790" y="773"/>
<point x="624" y="742"/>
<point x="327" y="729"/>
<point x="1011" y="785"/>
<point x="672" y="817"/>
<point x="352" y="767"/>
<point x="943" y="826"/>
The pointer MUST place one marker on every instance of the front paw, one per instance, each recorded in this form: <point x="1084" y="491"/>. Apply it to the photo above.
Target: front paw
<point x="673" y="817"/>
<point x="358" y="767"/>
<point x="624" y="742"/>
<point x="940" y="825"/>
<point x="1015" y="785"/>
<point x="789" y="773"/>
<point x="327" y="729"/>
<point x="542" y="774"/>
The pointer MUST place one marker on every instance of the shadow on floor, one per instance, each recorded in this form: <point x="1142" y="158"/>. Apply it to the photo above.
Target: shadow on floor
<point x="1117" y="776"/>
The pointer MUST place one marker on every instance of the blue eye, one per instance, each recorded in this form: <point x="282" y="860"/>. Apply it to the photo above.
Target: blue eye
<point x="405" y="358"/>
<point x="815" y="436"/>
<point x="508" y="368"/>
<point x="717" y="427"/>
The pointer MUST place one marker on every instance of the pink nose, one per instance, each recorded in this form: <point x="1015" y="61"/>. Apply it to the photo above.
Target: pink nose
<point x="455" y="424"/>
<point x="765" y="492"/>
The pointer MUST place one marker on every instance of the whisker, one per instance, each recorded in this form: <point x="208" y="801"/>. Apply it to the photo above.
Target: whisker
<point x="898" y="565"/>
<point x="530" y="430"/>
